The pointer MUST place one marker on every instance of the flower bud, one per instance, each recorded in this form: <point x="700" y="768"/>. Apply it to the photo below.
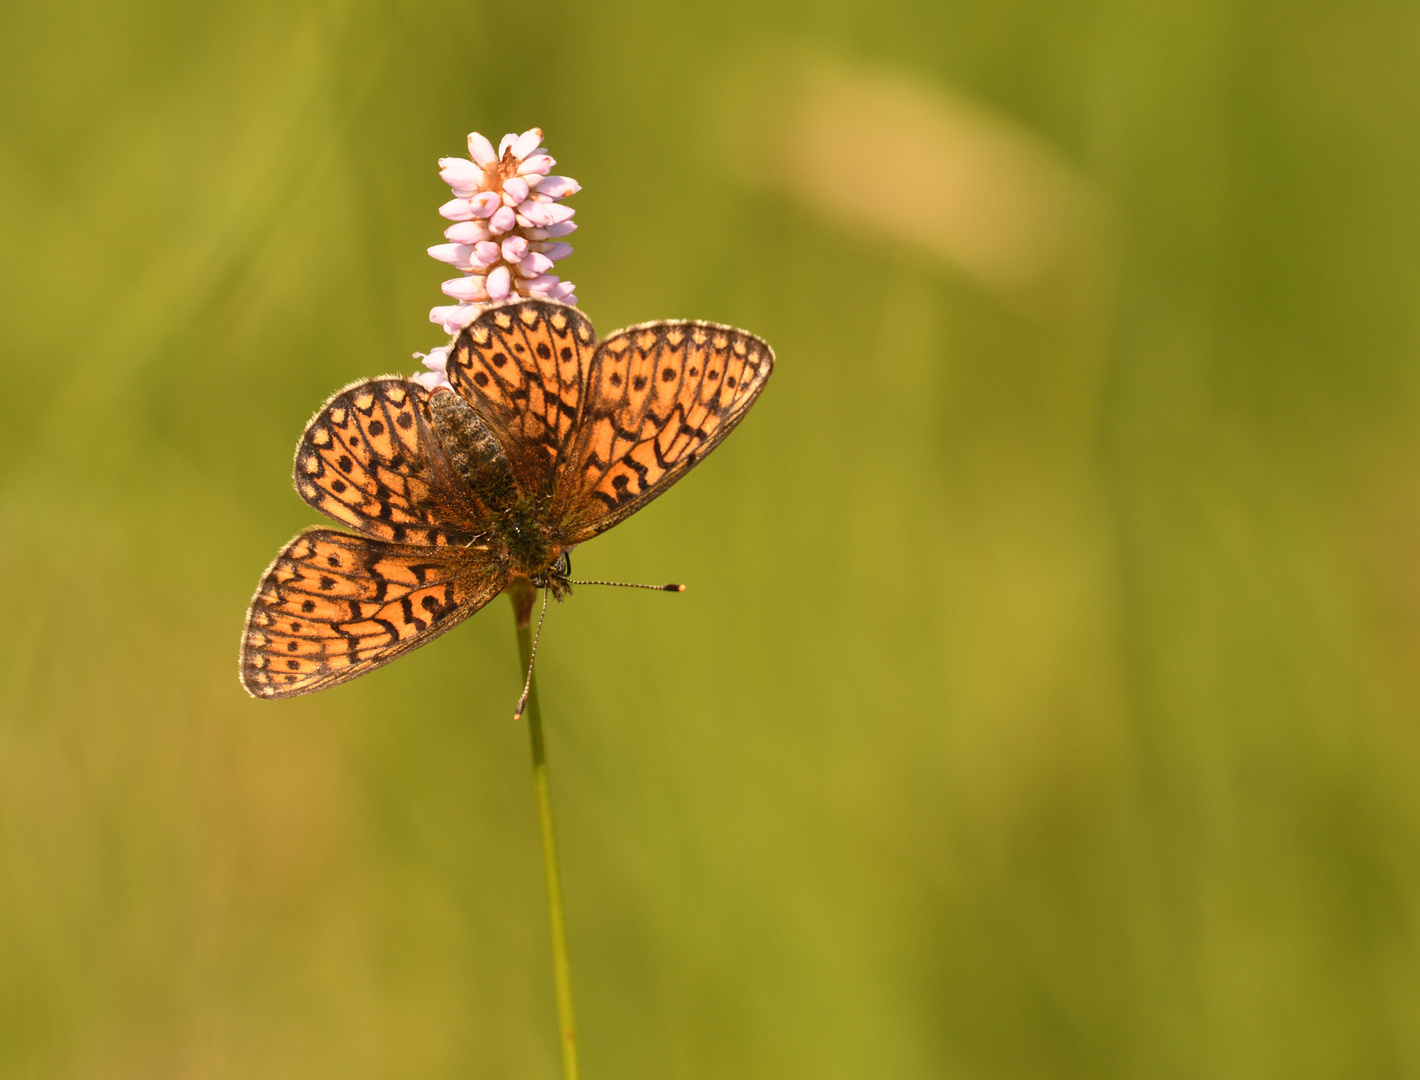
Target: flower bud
<point x="515" y="190"/>
<point x="538" y="164"/>
<point x="499" y="283"/>
<point x="456" y="210"/>
<point x="485" y="204"/>
<point x="502" y="220"/>
<point x="467" y="232"/>
<point x="526" y="143"/>
<point x="466" y="288"/>
<point x="461" y="175"/>
<point x="453" y="254"/>
<point x="481" y="150"/>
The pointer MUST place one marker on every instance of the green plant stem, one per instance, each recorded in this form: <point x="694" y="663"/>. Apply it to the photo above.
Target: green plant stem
<point x="523" y="597"/>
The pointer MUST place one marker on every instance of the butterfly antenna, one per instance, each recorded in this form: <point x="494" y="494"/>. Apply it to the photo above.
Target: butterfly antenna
<point x="532" y="659"/>
<point x="632" y="585"/>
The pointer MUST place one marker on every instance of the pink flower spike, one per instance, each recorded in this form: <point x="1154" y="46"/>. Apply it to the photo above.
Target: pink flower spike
<point x="453" y="254"/>
<point x="500" y="283"/>
<point x="456" y="210"/>
<point x="480" y="149"/>
<point x="467" y="232"/>
<point x="502" y="220"/>
<point x="558" y="187"/>
<point x="485" y="254"/>
<point x="527" y="142"/>
<point x="466" y="289"/>
<point x="485" y="203"/>
<point x="515" y="190"/>
<point x="533" y="265"/>
<point x="461" y="175"/>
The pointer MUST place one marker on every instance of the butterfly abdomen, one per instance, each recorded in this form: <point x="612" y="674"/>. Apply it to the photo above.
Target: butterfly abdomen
<point x="474" y="452"/>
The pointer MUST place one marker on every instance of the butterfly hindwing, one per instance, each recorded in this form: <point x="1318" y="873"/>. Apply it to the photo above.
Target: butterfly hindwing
<point x="334" y="605"/>
<point x="523" y="367"/>
<point x="369" y="459"/>
<point x="659" y="397"/>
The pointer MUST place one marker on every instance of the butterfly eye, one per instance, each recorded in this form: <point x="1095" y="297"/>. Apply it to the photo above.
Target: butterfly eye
<point x="563" y="566"/>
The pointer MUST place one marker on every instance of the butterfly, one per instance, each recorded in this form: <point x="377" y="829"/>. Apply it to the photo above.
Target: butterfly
<point x="547" y="438"/>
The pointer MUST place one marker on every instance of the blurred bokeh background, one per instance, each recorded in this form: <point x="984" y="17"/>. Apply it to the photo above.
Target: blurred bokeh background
<point x="1045" y="702"/>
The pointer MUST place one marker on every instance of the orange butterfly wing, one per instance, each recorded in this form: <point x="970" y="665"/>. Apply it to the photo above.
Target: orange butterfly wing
<point x="659" y="397"/>
<point x="523" y="367"/>
<point x="370" y="459"/>
<point x="333" y="606"/>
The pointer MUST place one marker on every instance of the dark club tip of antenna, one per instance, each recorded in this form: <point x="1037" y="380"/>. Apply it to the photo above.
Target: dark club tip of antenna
<point x="632" y="585"/>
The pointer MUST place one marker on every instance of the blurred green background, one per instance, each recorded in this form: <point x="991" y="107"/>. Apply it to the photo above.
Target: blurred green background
<point x="1045" y="702"/>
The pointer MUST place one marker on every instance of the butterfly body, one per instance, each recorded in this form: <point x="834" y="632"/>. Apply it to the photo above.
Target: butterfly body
<point x="519" y="534"/>
<point x="546" y="439"/>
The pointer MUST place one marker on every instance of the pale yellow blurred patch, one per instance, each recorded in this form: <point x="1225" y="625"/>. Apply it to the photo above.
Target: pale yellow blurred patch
<point x="889" y="156"/>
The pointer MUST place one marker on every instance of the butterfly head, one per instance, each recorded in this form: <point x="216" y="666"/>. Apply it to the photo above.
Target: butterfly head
<point x="555" y="576"/>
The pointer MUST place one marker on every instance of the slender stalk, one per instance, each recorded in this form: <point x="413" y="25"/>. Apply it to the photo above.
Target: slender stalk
<point x="523" y="594"/>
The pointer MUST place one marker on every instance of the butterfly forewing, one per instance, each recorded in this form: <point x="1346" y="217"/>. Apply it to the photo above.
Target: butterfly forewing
<point x="523" y="366"/>
<point x="369" y="460"/>
<point x="333" y="606"/>
<point x="659" y="398"/>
